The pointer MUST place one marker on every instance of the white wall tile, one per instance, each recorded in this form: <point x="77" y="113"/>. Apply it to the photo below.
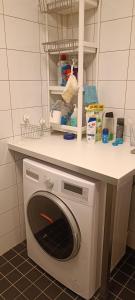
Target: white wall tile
<point x="115" y="9"/>
<point x="46" y="114"/>
<point x="130" y="97"/>
<point x="115" y="35"/>
<point x="23" y="233"/>
<point x="8" y="199"/>
<point x="6" y="156"/>
<point x="7" y="176"/>
<point x="25" y="93"/>
<point x="24" y="65"/>
<point x="90" y="67"/>
<point x="133" y="34"/>
<point x="22" y="35"/>
<point x="113" y="65"/>
<point x="3" y="65"/>
<point x="1" y="6"/>
<point x="129" y="118"/>
<point x="2" y="33"/>
<point x="22" y="218"/>
<point x="19" y="171"/>
<point x="90" y="33"/>
<point x="6" y="124"/>
<point x="112" y="93"/>
<point x="20" y="193"/>
<point x="25" y="9"/>
<point x="42" y="37"/>
<point x="91" y="16"/>
<point x="4" y="95"/>
<point x="134" y="8"/>
<point x="44" y="93"/>
<point x="34" y="113"/>
<point x="52" y="34"/>
<point x="9" y="221"/>
<point x="10" y="240"/>
<point x="131" y="70"/>
<point x="44" y="66"/>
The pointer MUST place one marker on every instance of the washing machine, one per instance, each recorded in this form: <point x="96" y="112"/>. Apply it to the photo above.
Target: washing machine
<point x="62" y="225"/>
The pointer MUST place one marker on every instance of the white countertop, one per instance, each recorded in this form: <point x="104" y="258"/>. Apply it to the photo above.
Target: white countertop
<point x="101" y="161"/>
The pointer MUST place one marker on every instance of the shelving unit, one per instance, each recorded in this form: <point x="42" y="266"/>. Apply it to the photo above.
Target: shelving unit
<point x="65" y="7"/>
<point x="71" y="46"/>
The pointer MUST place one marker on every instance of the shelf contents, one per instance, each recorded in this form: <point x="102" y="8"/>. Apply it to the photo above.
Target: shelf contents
<point x="64" y="6"/>
<point x="91" y="130"/>
<point x="108" y="122"/>
<point x="105" y="136"/>
<point x="95" y="111"/>
<point x="119" y="132"/>
<point x="64" y="70"/>
<point x="69" y="52"/>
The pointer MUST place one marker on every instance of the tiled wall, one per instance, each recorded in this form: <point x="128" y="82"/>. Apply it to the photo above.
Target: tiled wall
<point x="22" y="90"/>
<point x="117" y="58"/>
<point x="116" y="78"/>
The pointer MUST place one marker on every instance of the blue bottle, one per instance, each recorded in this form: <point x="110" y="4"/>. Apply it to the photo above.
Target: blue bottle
<point x="105" y="135"/>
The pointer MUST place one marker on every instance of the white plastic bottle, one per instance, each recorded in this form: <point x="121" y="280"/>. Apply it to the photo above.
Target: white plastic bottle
<point x="91" y="130"/>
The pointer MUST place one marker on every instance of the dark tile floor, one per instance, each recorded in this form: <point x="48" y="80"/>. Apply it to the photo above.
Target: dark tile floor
<point x="21" y="279"/>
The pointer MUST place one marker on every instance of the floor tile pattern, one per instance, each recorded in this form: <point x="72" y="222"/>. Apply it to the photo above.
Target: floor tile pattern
<point x="22" y="279"/>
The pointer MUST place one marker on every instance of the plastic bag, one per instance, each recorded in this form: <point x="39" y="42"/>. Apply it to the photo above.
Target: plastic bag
<point x="71" y="88"/>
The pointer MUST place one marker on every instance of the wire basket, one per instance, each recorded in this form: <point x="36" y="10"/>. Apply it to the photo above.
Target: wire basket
<point x="132" y="135"/>
<point x="33" y="131"/>
<point x="64" y="6"/>
<point x="61" y="45"/>
<point x="55" y="5"/>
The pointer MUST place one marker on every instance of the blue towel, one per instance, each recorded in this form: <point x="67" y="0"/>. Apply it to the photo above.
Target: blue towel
<point x="90" y="94"/>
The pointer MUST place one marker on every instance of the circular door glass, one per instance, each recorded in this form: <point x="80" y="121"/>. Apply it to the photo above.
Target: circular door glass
<point x="53" y="226"/>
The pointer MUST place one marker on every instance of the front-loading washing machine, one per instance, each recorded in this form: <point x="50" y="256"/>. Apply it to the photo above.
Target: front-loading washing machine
<point x="62" y="225"/>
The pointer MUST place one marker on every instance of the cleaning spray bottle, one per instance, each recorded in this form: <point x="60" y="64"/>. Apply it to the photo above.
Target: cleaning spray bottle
<point x="73" y="121"/>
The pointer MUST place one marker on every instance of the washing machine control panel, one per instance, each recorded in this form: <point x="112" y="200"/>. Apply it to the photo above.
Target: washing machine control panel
<point x="49" y="183"/>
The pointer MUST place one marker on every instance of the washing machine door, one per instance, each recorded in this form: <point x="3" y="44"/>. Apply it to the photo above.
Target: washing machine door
<point x="53" y="226"/>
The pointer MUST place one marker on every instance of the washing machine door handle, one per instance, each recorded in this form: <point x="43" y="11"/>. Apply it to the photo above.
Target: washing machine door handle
<point x="54" y="226"/>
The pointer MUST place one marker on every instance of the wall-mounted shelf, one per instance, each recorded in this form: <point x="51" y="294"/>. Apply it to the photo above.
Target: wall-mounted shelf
<point x="68" y="46"/>
<point x="56" y="90"/>
<point x="67" y="27"/>
<point x="65" y="7"/>
<point x="66" y="128"/>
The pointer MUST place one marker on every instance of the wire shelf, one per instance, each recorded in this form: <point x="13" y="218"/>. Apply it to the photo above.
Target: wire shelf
<point x="61" y="45"/>
<point x="33" y="131"/>
<point x="64" y="6"/>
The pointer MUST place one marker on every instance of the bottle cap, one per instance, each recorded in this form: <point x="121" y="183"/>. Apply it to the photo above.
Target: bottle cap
<point x="105" y="131"/>
<point x="109" y="114"/>
<point x="120" y="121"/>
<point x="92" y="119"/>
<point x="63" y="57"/>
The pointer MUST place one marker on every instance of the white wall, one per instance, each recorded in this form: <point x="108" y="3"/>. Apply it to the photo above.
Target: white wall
<point x="22" y="90"/>
<point x="116" y="76"/>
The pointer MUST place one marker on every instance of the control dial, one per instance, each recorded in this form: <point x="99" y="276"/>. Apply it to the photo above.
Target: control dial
<point x="49" y="183"/>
